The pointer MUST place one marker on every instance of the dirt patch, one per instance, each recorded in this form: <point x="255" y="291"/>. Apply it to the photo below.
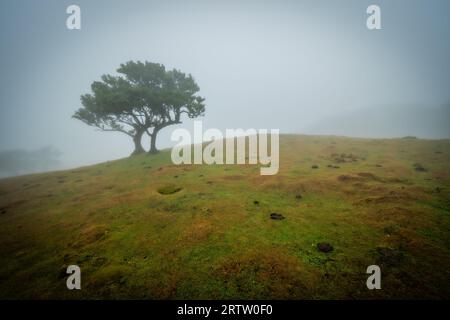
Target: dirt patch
<point x="391" y="197"/>
<point x="349" y="178"/>
<point x="233" y="177"/>
<point x="89" y="235"/>
<point x="268" y="274"/>
<point x="367" y="175"/>
<point x="197" y="232"/>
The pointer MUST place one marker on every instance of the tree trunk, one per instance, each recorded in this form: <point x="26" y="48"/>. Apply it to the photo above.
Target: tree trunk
<point x="137" y="143"/>
<point x="153" y="149"/>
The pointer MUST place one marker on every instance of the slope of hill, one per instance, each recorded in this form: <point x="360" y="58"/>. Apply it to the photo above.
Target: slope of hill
<point x="144" y="228"/>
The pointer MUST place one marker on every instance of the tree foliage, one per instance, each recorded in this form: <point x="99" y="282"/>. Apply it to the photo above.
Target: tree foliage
<point x="143" y="98"/>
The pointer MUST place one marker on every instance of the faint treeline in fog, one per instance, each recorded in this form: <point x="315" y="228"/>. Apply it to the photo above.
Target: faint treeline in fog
<point x="18" y="162"/>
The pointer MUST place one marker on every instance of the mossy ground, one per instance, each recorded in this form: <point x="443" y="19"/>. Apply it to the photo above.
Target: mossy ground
<point x="211" y="240"/>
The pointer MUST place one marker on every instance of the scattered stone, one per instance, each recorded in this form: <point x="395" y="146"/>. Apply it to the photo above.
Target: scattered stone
<point x="389" y="257"/>
<point x="62" y="272"/>
<point x="160" y="168"/>
<point x="298" y="196"/>
<point x="200" y="175"/>
<point x="276" y="216"/>
<point x="438" y="189"/>
<point x="3" y="210"/>
<point x="314" y="166"/>
<point x="147" y="167"/>
<point x="418" y="167"/>
<point x="378" y="166"/>
<point x="324" y="247"/>
<point x="169" y="189"/>
<point x="256" y="202"/>
<point x="175" y="176"/>
<point x="209" y="182"/>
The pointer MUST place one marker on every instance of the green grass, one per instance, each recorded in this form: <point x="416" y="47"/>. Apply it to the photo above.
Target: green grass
<point x="144" y="228"/>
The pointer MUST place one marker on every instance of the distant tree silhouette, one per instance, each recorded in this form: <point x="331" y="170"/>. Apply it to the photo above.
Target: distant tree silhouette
<point x="144" y="98"/>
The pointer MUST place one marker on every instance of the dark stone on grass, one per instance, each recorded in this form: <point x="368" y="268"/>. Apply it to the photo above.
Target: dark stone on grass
<point x="378" y="165"/>
<point x="419" y="168"/>
<point x="62" y="272"/>
<point x="314" y="166"/>
<point x="389" y="257"/>
<point x="298" y="196"/>
<point x="3" y="210"/>
<point x="276" y="216"/>
<point x="324" y="247"/>
<point x="438" y="189"/>
<point x="256" y="202"/>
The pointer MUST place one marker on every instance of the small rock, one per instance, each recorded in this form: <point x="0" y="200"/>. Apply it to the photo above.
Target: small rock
<point x="298" y="196"/>
<point x="256" y="202"/>
<point x="62" y="272"/>
<point x="389" y="257"/>
<point x="314" y="166"/>
<point x="418" y="167"/>
<point x="276" y="216"/>
<point x="324" y="247"/>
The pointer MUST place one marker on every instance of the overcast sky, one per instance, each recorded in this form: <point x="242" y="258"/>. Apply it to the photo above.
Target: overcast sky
<point x="300" y="66"/>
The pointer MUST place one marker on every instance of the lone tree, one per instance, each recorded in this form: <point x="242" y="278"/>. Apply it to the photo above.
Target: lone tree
<point x="144" y="98"/>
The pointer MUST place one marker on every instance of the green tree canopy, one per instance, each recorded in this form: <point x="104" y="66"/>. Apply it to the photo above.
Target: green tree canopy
<point x="143" y="98"/>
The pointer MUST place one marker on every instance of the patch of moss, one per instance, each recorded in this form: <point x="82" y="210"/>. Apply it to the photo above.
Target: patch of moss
<point x="169" y="189"/>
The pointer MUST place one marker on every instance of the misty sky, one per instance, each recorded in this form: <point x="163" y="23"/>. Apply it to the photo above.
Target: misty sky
<point x="300" y="66"/>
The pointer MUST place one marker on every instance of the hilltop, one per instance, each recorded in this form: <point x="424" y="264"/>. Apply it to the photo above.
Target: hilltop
<point x="144" y="228"/>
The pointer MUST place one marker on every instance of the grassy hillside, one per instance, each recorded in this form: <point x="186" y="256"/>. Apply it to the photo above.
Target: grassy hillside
<point x="144" y="228"/>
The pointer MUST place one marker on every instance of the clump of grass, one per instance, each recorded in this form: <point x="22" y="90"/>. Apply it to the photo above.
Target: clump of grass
<point x="169" y="189"/>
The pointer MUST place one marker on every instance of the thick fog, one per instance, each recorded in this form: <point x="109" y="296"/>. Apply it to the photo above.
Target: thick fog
<point x="309" y="67"/>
